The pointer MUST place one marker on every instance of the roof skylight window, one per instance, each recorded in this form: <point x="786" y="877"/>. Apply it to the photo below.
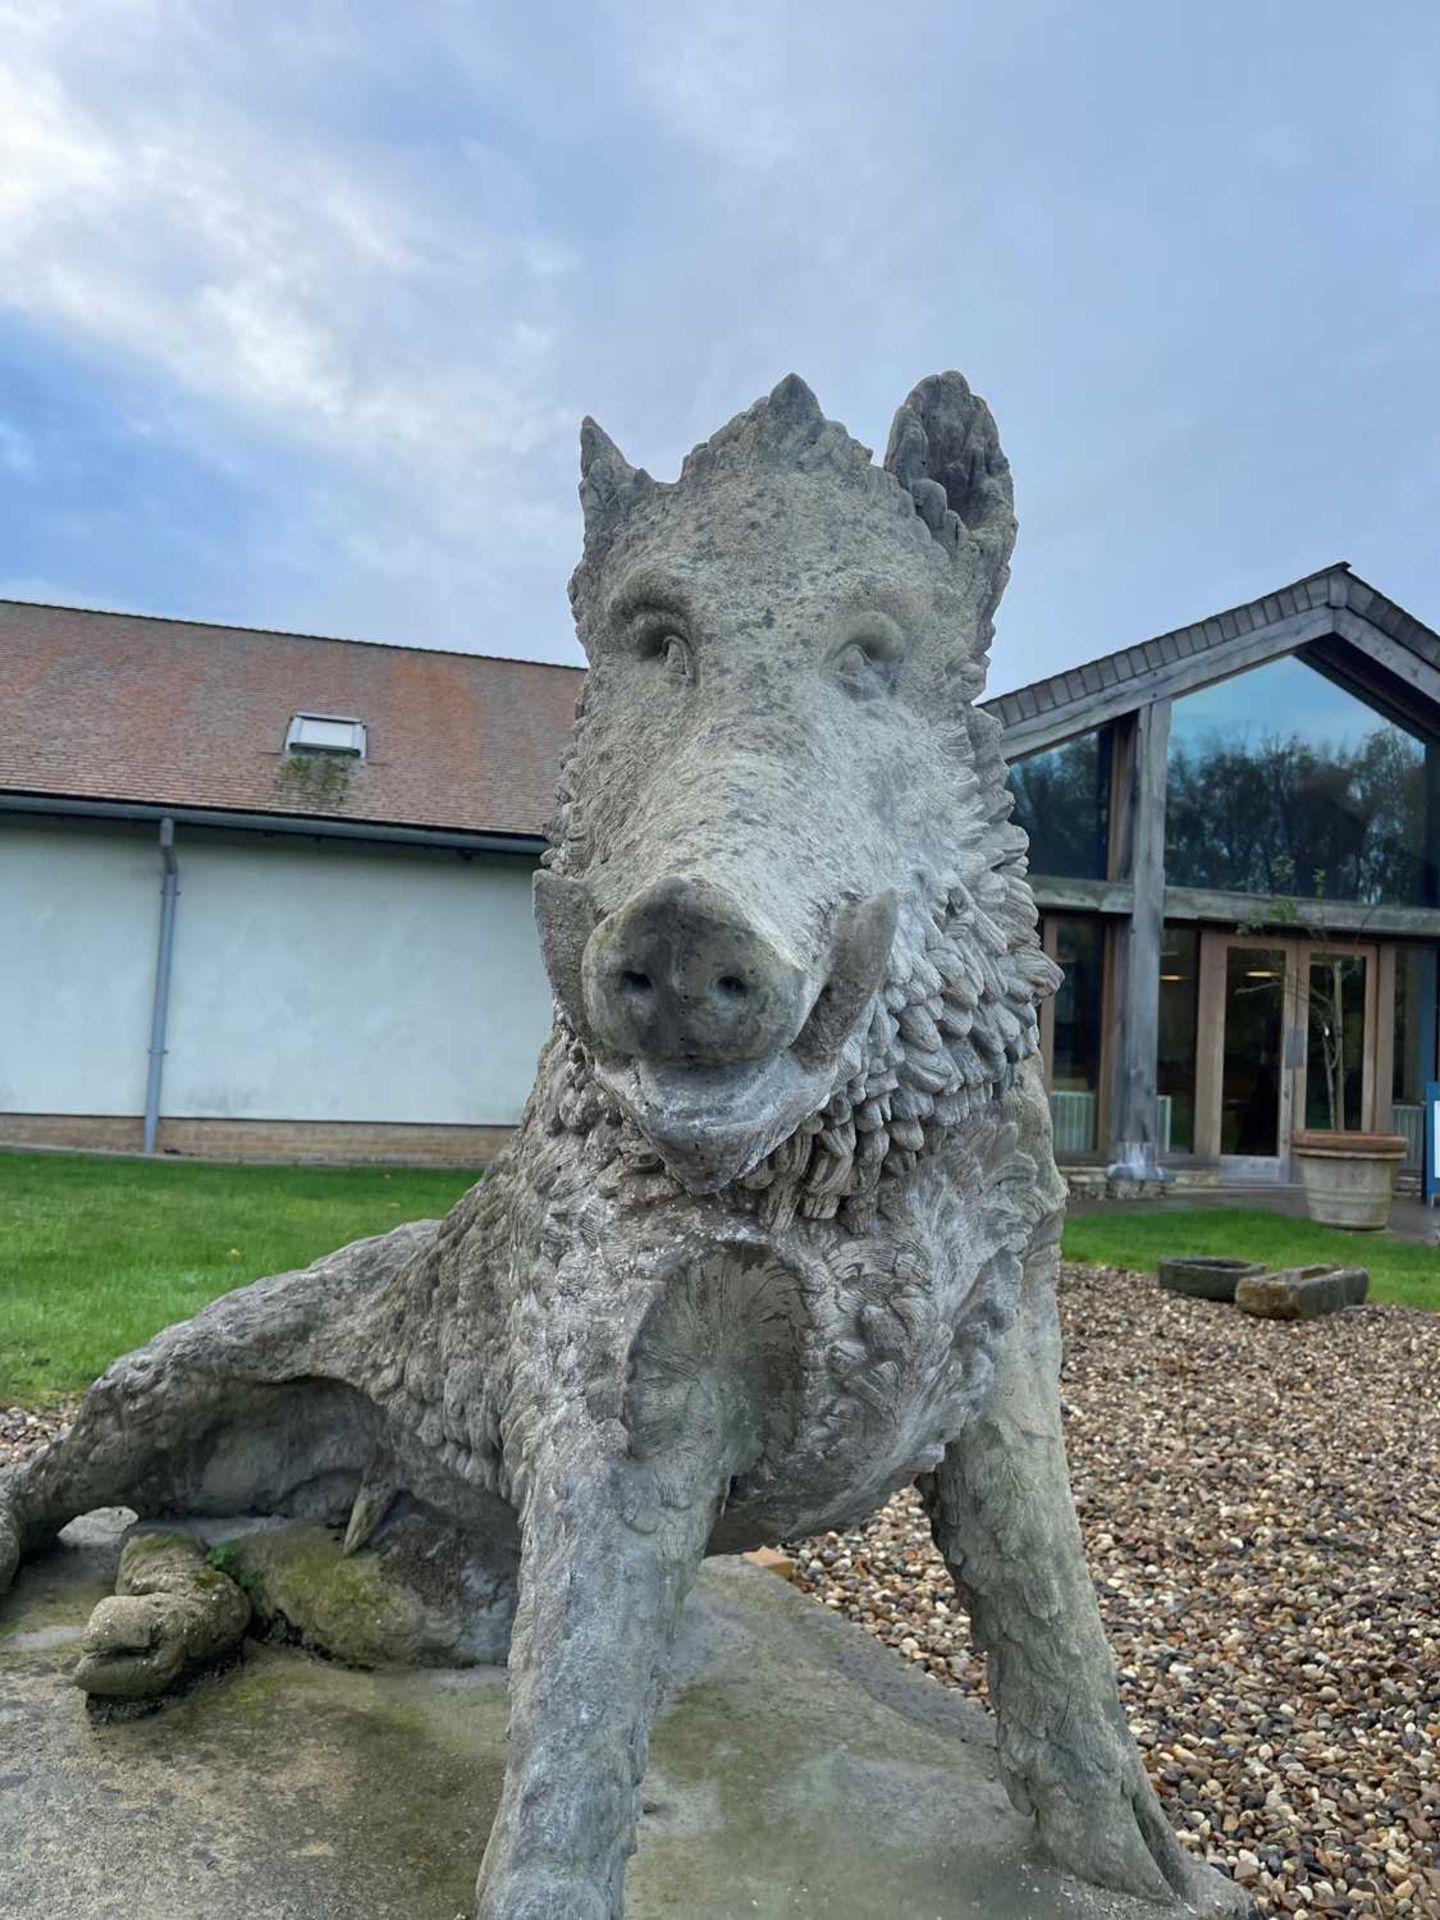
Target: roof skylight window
<point x="325" y="733"/>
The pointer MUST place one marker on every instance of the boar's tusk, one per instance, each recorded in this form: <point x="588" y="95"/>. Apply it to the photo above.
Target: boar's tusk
<point x="566" y="916"/>
<point x="864" y="935"/>
<point x="373" y="1501"/>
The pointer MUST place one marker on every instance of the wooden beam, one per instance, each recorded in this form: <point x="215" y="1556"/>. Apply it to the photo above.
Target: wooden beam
<point x="1112" y="936"/>
<point x="1135" y="1108"/>
<point x="1209" y="1045"/>
<point x="1406" y="666"/>
<point x="1047" y="1008"/>
<point x="1233" y="910"/>
<point x="1381" y="1040"/>
<point x="1053" y="895"/>
<point x="1120" y="853"/>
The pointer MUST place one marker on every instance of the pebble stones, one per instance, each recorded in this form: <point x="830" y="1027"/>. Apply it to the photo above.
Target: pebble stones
<point x="22" y="1429"/>
<point x="1261" y="1513"/>
<point x="1260" y="1506"/>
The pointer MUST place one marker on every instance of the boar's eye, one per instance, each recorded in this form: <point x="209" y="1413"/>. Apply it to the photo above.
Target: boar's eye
<point x="661" y="642"/>
<point x="868" y="667"/>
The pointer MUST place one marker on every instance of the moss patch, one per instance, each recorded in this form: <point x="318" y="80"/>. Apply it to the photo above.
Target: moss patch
<point x="226" y="1558"/>
<point x="314" y="782"/>
<point x="304" y="1588"/>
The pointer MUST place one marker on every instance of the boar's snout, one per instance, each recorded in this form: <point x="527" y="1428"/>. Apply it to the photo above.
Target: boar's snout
<point x="681" y="975"/>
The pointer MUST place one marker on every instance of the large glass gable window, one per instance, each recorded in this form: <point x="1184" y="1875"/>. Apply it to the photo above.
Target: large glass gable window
<point x="1282" y="782"/>
<point x="1062" y="800"/>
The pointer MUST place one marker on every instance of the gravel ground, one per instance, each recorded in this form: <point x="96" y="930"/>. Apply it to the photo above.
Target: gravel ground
<point x="22" y="1429"/>
<point x="1261" y="1507"/>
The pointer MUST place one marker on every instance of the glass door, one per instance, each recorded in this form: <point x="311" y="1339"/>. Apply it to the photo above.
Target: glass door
<point x="1287" y="1039"/>
<point x="1336" y="992"/>
<point x="1254" y="1107"/>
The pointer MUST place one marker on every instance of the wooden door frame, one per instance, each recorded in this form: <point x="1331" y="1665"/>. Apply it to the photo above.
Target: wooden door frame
<point x="1385" y="1036"/>
<point x="1050" y="918"/>
<point x="1296" y="953"/>
<point x="1215" y="946"/>
<point x="1368" y="951"/>
<point x="1049" y="945"/>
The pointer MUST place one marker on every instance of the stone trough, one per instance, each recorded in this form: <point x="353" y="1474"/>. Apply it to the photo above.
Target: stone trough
<point x="1207" y="1276"/>
<point x="1287" y="1293"/>
<point x="1302" y="1293"/>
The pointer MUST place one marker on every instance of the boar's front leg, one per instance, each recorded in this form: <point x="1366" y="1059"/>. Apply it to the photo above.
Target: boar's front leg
<point x="1002" y="1515"/>
<point x="610" y="1552"/>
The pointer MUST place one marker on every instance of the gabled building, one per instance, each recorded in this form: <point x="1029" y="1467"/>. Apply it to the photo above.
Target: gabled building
<point x="1234" y="845"/>
<point x="266" y="894"/>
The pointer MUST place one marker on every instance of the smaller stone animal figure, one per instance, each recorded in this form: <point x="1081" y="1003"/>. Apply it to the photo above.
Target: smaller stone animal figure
<point x="171" y="1614"/>
<point x="407" y="1599"/>
<point x="779" y="1229"/>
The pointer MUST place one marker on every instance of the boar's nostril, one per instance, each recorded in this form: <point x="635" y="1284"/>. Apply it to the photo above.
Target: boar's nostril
<point x="681" y="973"/>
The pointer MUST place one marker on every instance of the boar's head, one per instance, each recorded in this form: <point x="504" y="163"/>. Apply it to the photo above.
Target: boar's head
<point x="785" y="914"/>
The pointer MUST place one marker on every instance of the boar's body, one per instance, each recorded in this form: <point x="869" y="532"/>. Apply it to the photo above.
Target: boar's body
<point x="778" y="1229"/>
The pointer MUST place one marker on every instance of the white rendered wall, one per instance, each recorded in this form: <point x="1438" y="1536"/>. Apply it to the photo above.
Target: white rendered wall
<point x="78" y="912"/>
<point x="327" y="981"/>
<point x="313" y="980"/>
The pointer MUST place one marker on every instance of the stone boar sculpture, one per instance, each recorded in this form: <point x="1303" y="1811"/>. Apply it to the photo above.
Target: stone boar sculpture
<point x="779" y="1228"/>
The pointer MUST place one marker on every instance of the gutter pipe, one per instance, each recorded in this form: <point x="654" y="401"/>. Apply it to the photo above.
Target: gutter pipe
<point x="317" y="825"/>
<point x="160" y="1008"/>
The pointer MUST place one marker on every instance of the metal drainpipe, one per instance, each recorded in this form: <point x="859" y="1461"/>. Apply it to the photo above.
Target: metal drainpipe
<point x="160" y="1009"/>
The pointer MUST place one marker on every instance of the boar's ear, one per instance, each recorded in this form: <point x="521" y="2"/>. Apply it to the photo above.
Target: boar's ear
<point x="945" y="451"/>
<point x="609" y="485"/>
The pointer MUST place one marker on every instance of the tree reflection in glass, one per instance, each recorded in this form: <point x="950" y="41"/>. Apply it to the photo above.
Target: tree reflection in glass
<point x="1280" y="782"/>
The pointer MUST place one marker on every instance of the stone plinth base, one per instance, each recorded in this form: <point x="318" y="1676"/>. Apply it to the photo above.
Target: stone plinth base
<point x="799" y="1769"/>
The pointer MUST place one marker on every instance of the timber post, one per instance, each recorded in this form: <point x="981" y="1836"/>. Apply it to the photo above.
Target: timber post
<point x="1138" y="846"/>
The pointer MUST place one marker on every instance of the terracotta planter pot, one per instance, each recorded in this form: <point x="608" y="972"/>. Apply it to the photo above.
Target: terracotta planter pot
<point x="1349" y="1177"/>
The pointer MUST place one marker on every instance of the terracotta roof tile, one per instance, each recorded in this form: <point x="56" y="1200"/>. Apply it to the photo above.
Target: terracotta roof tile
<point x="110" y="706"/>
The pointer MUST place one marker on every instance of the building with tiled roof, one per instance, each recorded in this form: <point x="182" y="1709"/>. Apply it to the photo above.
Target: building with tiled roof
<point x="269" y="894"/>
<point x="330" y="842"/>
<point x="178" y="714"/>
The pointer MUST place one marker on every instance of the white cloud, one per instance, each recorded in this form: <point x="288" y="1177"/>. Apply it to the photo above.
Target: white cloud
<point x="261" y="269"/>
<point x="370" y="263"/>
<point x="156" y="209"/>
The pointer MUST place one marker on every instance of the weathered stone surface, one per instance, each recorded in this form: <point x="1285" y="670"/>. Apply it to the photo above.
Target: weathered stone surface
<point x="797" y="1769"/>
<point x="1086" y="1183"/>
<point x="171" y="1614"/>
<point x="411" y="1600"/>
<point x="1302" y="1293"/>
<point x="1206" y="1276"/>
<point x="1123" y="1186"/>
<point x="780" y="1225"/>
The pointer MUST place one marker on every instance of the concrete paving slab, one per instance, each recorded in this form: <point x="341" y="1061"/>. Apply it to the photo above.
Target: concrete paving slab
<point x="1410" y="1219"/>
<point x="799" y="1769"/>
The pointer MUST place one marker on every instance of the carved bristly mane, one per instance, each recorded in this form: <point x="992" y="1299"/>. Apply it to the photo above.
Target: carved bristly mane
<point x="957" y="1013"/>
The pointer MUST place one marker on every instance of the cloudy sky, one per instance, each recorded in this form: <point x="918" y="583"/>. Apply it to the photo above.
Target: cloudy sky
<point x="301" y="300"/>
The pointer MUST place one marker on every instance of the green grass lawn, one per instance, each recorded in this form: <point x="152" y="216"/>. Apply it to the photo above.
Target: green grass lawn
<point x="1401" y="1272"/>
<point x="96" y="1255"/>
